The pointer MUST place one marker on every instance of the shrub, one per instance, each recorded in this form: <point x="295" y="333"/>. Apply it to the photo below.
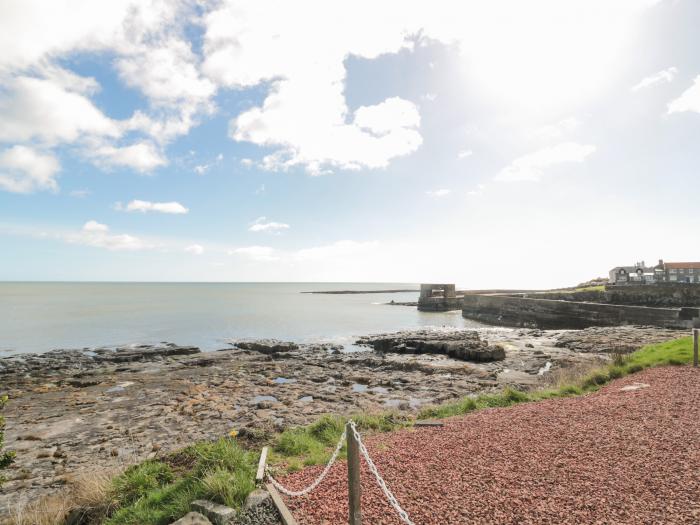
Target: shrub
<point x="615" y="372"/>
<point x="5" y="457"/>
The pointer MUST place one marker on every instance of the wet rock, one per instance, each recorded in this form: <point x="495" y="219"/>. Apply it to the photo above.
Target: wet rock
<point x="459" y="344"/>
<point x="267" y="346"/>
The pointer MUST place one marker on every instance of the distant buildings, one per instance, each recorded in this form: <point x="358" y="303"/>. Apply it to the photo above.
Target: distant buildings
<point x="664" y="272"/>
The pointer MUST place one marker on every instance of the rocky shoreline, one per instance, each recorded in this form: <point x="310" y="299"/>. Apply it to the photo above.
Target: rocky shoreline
<point x="73" y="410"/>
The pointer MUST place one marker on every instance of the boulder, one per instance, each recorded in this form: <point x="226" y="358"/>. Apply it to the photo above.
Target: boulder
<point x="255" y="498"/>
<point x="217" y="514"/>
<point x="268" y="346"/>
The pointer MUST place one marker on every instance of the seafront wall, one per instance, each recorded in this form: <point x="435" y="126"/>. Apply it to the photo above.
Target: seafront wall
<point x="555" y="314"/>
<point x="665" y="295"/>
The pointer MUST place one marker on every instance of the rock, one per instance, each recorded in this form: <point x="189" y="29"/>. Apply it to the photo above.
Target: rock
<point x="217" y="514"/>
<point x="255" y="498"/>
<point x="459" y="344"/>
<point x="267" y="346"/>
<point x="83" y="383"/>
<point x="620" y="340"/>
<point x="192" y="518"/>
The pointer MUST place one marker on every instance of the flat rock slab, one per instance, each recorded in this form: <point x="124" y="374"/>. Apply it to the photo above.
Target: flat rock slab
<point x="192" y="518"/>
<point x="217" y="514"/>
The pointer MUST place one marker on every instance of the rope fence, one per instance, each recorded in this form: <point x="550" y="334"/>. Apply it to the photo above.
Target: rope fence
<point x="349" y="434"/>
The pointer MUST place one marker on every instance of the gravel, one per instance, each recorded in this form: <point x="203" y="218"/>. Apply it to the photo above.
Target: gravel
<point x="263" y="514"/>
<point x="621" y="455"/>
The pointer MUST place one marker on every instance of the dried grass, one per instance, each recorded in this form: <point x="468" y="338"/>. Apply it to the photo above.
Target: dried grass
<point x="88" y="495"/>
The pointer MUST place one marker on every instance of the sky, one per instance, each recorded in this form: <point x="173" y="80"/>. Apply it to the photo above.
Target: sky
<point x="490" y="144"/>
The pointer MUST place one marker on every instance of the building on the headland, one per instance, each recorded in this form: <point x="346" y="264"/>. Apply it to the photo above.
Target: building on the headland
<point x="664" y="272"/>
<point x="439" y="297"/>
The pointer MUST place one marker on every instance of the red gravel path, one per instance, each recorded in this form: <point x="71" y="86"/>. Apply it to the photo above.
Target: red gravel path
<point x="615" y="456"/>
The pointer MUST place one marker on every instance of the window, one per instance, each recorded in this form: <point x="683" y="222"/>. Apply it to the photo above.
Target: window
<point x="672" y="271"/>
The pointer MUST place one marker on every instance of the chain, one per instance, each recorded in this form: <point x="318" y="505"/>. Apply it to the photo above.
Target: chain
<point x="318" y="480"/>
<point x="380" y="481"/>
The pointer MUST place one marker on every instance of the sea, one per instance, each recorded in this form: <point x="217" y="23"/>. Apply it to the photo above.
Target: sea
<point x="42" y="316"/>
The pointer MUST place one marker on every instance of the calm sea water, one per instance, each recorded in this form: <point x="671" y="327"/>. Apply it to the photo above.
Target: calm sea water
<point x="37" y="317"/>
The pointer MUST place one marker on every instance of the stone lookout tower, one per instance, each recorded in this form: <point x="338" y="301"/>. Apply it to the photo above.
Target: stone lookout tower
<point x="439" y="297"/>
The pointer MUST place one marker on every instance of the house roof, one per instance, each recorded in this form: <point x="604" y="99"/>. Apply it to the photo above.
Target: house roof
<point x="682" y="265"/>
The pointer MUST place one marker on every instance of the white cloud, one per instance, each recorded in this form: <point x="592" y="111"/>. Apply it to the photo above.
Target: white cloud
<point x="662" y="77"/>
<point x="201" y="169"/>
<point x="305" y="118"/>
<point x="195" y="249"/>
<point x="478" y="191"/>
<point x="558" y="130"/>
<point x="43" y="102"/>
<point x="145" y="206"/>
<point x="142" y="157"/>
<point x="260" y="225"/>
<point x="43" y="109"/>
<point x="688" y="101"/>
<point x="97" y="235"/>
<point x="256" y="253"/>
<point x="531" y="167"/>
<point x="463" y="154"/>
<point x="24" y="170"/>
<point x="438" y="193"/>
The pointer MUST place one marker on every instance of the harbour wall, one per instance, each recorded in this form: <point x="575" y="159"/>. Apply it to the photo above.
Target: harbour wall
<point x="557" y="314"/>
<point x="664" y="295"/>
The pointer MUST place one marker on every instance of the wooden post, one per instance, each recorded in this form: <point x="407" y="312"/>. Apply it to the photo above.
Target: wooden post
<point x="260" y="475"/>
<point x="696" y="334"/>
<point x="355" y="512"/>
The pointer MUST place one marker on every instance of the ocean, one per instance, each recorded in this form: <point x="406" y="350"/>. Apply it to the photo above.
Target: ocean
<point x="41" y="316"/>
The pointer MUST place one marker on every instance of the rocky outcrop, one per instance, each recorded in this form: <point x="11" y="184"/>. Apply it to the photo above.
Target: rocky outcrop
<point x="463" y="344"/>
<point x="623" y="340"/>
<point x="267" y="346"/>
<point x="87" y="359"/>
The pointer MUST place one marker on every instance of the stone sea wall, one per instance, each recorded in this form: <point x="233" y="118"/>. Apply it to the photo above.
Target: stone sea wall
<point x="554" y="314"/>
<point x="665" y="295"/>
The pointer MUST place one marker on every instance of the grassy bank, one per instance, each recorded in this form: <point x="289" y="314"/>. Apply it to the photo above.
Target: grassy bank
<point x="158" y="492"/>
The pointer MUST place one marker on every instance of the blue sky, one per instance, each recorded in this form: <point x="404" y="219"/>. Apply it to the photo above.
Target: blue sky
<point x="513" y="145"/>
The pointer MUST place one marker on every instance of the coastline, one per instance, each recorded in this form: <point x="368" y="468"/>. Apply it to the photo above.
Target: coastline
<point x="73" y="410"/>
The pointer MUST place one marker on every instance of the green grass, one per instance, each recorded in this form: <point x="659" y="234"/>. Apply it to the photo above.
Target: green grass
<point x="159" y="492"/>
<point x="152" y="494"/>
<point x="313" y="444"/>
<point x="676" y="352"/>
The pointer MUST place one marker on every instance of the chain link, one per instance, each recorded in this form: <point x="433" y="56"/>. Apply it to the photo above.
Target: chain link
<point x="372" y="467"/>
<point x="380" y="481"/>
<point x="319" y="479"/>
